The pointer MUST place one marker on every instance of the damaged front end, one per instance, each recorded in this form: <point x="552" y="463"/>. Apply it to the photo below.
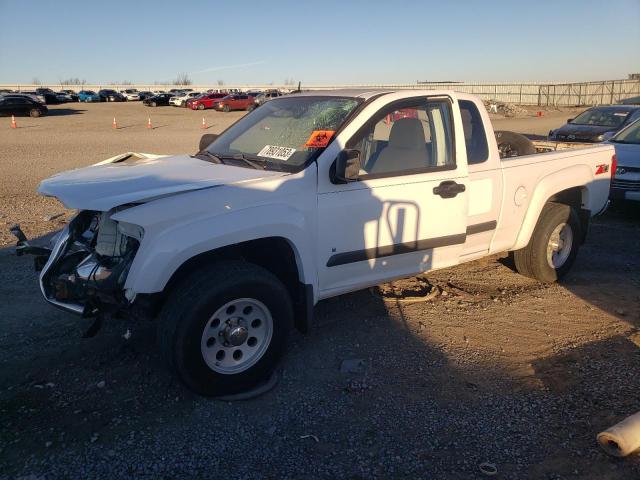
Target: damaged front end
<point x="85" y="270"/>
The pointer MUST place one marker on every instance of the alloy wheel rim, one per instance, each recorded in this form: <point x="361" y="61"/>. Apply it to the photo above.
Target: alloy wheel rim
<point x="559" y="245"/>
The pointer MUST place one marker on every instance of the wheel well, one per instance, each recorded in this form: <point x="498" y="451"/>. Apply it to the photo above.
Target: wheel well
<point x="274" y="254"/>
<point x="576" y="197"/>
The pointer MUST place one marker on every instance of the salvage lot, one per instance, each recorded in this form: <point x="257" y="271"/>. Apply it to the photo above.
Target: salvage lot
<point x="495" y="368"/>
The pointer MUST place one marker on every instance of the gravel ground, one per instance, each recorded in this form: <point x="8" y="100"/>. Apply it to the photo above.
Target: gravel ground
<point x="494" y="368"/>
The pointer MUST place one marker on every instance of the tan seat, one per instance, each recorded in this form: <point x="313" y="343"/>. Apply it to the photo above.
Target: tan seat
<point x="406" y="149"/>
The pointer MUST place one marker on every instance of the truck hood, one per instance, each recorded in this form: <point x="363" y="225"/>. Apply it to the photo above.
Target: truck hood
<point x="582" y="132"/>
<point x="137" y="178"/>
<point x="627" y="154"/>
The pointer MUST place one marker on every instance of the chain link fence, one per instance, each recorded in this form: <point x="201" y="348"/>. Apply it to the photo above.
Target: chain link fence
<point x="541" y="94"/>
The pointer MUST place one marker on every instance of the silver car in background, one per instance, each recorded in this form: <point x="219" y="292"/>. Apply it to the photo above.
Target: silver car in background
<point x="626" y="183"/>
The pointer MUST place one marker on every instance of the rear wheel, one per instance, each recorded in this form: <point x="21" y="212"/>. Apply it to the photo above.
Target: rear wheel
<point x="224" y="328"/>
<point x="35" y="113"/>
<point x="226" y="108"/>
<point x="553" y="246"/>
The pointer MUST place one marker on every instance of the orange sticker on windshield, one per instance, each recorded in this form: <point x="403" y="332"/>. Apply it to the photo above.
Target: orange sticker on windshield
<point x="319" y="138"/>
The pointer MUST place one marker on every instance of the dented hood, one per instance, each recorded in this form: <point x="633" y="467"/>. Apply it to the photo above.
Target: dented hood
<point x="135" y="178"/>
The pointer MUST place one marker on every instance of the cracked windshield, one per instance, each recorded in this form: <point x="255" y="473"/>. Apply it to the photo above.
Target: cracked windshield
<point x="286" y="132"/>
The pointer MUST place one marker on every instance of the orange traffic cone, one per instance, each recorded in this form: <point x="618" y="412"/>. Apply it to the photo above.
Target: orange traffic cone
<point x="149" y="126"/>
<point x="13" y="122"/>
<point x="204" y="124"/>
<point x="114" y="124"/>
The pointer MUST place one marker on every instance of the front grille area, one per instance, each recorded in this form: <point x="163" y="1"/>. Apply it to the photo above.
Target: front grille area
<point x="629" y="185"/>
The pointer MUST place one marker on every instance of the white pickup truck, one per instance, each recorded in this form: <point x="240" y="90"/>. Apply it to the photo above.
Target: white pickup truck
<point x="310" y="196"/>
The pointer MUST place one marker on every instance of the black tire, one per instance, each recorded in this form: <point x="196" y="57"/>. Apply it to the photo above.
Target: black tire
<point x="188" y="310"/>
<point x="201" y="106"/>
<point x="154" y="104"/>
<point x="532" y="260"/>
<point x="251" y="108"/>
<point x="512" y="144"/>
<point x="34" y="113"/>
<point x="226" y="109"/>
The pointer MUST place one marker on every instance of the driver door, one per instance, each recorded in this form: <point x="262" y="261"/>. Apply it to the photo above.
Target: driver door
<point x="407" y="212"/>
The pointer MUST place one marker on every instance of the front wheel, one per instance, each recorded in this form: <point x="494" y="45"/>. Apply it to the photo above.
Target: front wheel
<point x="226" y="108"/>
<point x="201" y="107"/>
<point x="553" y="246"/>
<point x="35" y="113"/>
<point x="225" y="327"/>
<point x="154" y="104"/>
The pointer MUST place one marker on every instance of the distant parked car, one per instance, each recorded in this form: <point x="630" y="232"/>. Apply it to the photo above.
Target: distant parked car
<point x="88" y="96"/>
<point x="157" y="100"/>
<point x="625" y="184"/>
<point x="21" y="105"/>
<point x="31" y="95"/>
<point x="50" y="97"/>
<point x="72" y="95"/>
<point x="130" y="94"/>
<point x="596" y="124"/>
<point x="264" y="97"/>
<point x="108" y="95"/>
<point x="234" y="102"/>
<point x="180" y="99"/>
<point x="204" y="101"/>
<point x="631" y="101"/>
<point x="145" y="94"/>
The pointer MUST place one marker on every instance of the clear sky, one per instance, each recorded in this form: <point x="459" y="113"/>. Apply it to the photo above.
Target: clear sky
<point x="328" y="41"/>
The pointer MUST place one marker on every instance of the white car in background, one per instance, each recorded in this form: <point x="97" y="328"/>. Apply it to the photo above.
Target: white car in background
<point x="131" y="94"/>
<point x="180" y="99"/>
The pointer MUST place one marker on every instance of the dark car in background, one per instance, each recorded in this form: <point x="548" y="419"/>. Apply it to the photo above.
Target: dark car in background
<point x="631" y="101"/>
<point x="50" y="97"/>
<point x="108" y="95"/>
<point x="145" y="94"/>
<point x="21" y="105"/>
<point x="237" y="101"/>
<point x="71" y="94"/>
<point x="596" y="124"/>
<point x="161" y="99"/>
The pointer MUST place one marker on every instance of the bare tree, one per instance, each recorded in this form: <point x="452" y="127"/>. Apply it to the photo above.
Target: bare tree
<point x="220" y="83"/>
<point x="182" y="79"/>
<point x="36" y="81"/>
<point x="73" y="81"/>
<point x="127" y="82"/>
<point x="289" y="81"/>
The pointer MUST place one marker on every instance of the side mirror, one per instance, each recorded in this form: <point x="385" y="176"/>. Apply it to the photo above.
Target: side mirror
<point x="348" y="166"/>
<point x="207" y="139"/>
<point x="569" y="120"/>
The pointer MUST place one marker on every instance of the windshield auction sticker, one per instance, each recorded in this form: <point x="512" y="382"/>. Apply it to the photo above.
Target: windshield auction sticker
<point x="279" y="153"/>
<point x="319" y="138"/>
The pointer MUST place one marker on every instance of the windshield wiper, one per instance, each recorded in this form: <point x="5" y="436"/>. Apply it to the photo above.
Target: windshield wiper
<point x="215" y="158"/>
<point x="241" y="156"/>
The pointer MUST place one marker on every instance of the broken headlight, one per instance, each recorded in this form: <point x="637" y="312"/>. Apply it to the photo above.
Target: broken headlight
<point x="96" y="260"/>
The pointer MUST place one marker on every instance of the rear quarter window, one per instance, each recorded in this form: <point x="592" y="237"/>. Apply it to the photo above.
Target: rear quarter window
<point x="475" y="136"/>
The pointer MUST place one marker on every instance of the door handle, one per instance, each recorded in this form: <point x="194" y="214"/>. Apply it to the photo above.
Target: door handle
<point x="449" y="189"/>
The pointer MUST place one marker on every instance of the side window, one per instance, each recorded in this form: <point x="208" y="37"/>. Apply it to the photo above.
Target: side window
<point x="475" y="137"/>
<point x="404" y="139"/>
